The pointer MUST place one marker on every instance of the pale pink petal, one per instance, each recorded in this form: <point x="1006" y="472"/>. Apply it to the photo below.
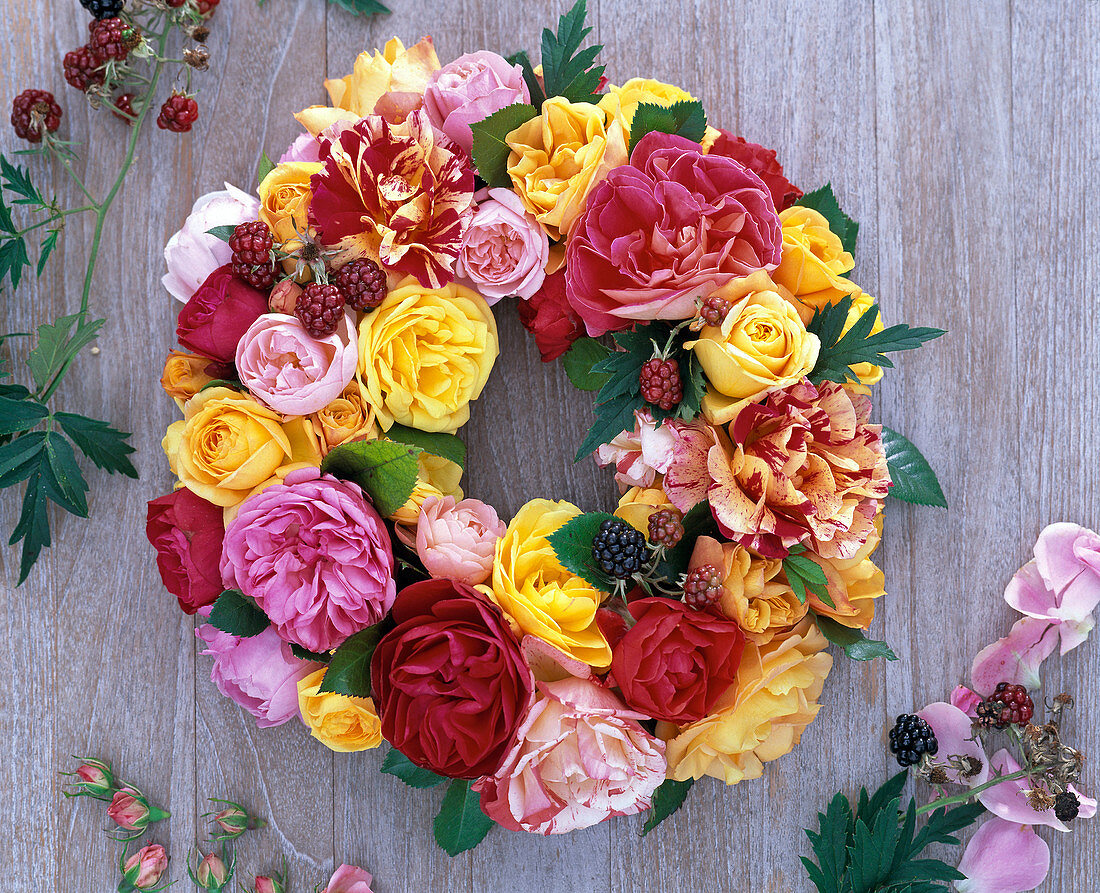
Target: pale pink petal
<point x="688" y="479"/>
<point x="1063" y="580"/>
<point x="1004" y="857"/>
<point x="1016" y="657"/>
<point x="1009" y="798"/>
<point x="967" y="700"/>
<point x="1073" y="633"/>
<point x="955" y="736"/>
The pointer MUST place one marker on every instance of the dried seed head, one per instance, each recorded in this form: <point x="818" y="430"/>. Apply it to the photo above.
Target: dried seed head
<point x="1039" y="799"/>
<point x="937" y="775"/>
<point x="197" y="57"/>
<point x="972" y="766"/>
<point x="199" y="34"/>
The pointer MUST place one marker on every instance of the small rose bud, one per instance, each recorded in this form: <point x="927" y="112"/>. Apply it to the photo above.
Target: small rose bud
<point x="212" y="873"/>
<point x="94" y="778"/>
<point x="265" y="884"/>
<point x="233" y="820"/>
<point x="143" y="870"/>
<point x="284" y="297"/>
<point x="131" y="811"/>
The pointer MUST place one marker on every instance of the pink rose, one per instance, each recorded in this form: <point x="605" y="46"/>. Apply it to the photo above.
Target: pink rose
<point x="192" y="254"/>
<point x="1062" y="582"/>
<point x="504" y="250"/>
<point x="259" y="673"/>
<point x="581" y="758"/>
<point x="144" y="868"/>
<point x="457" y="540"/>
<point x="290" y="370"/>
<point x="315" y="556"/>
<point x="639" y="455"/>
<point x="469" y="90"/>
<point x="657" y="233"/>
<point x="349" y="879"/>
<point x="305" y="147"/>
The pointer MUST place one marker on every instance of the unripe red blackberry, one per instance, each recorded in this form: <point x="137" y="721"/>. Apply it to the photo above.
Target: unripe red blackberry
<point x="666" y="527"/>
<point x="125" y="104"/>
<point x="362" y="283"/>
<point x="81" y="67"/>
<point x="660" y="383"/>
<point x="320" y="307"/>
<point x="251" y="244"/>
<point x="714" y="310"/>
<point x="1008" y="705"/>
<point x="113" y="38"/>
<point x="32" y="111"/>
<point x="178" y="113"/>
<point x="703" y="587"/>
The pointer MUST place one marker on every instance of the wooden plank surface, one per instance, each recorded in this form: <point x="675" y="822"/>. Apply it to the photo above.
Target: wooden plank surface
<point x="963" y="136"/>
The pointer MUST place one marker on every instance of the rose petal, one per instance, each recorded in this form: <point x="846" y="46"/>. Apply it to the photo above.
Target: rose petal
<point x="955" y="735"/>
<point x="1015" y="658"/>
<point x="1004" y="857"/>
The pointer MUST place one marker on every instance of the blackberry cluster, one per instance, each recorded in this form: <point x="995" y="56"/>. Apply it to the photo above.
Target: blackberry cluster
<point x="362" y="283"/>
<point x="1009" y="705"/>
<point x="618" y="549"/>
<point x="666" y="527"/>
<point x="103" y="9"/>
<point x="660" y="382"/>
<point x="31" y="105"/>
<point x="911" y="738"/>
<point x="320" y="308"/>
<point x="703" y="587"/>
<point x="113" y="38"/>
<point x="1066" y="806"/>
<point x="81" y="67"/>
<point x="714" y="310"/>
<point x="178" y="113"/>
<point x="251" y="244"/>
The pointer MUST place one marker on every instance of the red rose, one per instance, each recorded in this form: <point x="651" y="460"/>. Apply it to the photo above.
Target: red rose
<point x="451" y="684"/>
<point x="548" y="316"/>
<point x="675" y="662"/>
<point x="761" y="162"/>
<point x="213" y="320"/>
<point x="187" y="532"/>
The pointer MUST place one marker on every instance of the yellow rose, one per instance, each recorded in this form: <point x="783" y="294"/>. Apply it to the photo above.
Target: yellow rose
<point x="184" y="376"/>
<point x="622" y="102"/>
<point x="436" y="476"/>
<point x="390" y="83"/>
<point x="813" y="260"/>
<point x="763" y="714"/>
<point x="853" y="584"/>
<point x="284" y="200"/>
<point x="559" y="156"/>
<point x="425" y="353"/>
<point x="538" y="595"/>
<point x="339" y="722"/>
<point x="228" y="444"/>
<point x="755" y="593"/>
<point x="762" y="345"/>
<point x="349" y="417"/>
<point x="638" y="503"/>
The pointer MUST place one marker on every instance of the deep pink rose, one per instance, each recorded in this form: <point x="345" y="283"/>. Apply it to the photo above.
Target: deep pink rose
<point x="548" y="316"/>
<point x="218" y="313"/>
<point x="259" y="673"/>
<point x="657" y="233"/>
<point x="581" y="757"/>
<point x="187" y="532"/>
<point x="504" y="250"/>
<point x="349" y="879"/>
<point x="762" y="162"/>
<point x="315" y="556"/>
<point x="290" y="370"/>
<point x="469" y="90"/>
<point x="456" y="540"/>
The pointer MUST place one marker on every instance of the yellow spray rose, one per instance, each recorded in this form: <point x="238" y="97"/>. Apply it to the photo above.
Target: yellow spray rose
<point x="284" y="200"/>
<point x="436" y="476"/>
<point x="425" y="353"/>
<point x="763" y="714"/>
<point x="390" y="83"/>
<point x="184" y="376"/>
<point x="339" y="722"/>
<point x="638" y="503"/>
<point x="228" y="444"/>
<point x="559" y="156"/>
<point x="813" y="260"/>
<point x="622" y="102"/>
<point x="539" y="596"/>
<point x="349" y="417"/>
<point x="854" y="584"/>
<point x="762" y="345"/>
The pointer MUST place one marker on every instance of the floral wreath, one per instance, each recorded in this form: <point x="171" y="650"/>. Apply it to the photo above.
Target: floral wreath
<point x="568" y="666"/>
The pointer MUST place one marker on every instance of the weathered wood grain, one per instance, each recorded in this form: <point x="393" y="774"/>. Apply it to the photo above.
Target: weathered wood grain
<point x="964" y="139"/>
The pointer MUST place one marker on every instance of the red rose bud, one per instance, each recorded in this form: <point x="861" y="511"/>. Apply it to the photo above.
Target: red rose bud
<point x="548" y="316"/>
<point x="212" y="873"/>
<point x="760" y="161"/>
<point x="213" y="320"/>
<point x="131" y="811"/>
<point x="143" y="870"/>
<point x="94" y="778"/>
<point x="187" y="532"/>
<point x="232" y="821"/>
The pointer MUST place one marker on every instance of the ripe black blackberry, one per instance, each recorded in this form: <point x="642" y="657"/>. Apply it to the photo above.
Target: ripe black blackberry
<point x="911" y="738"/>
<point x="33" y="110"/>
<point x="251" y="244"/>
<point x="703" y="587"/>
<point x="1066" y="806"/>
<point x="103" y="9"/>
<point x="666" y="527"/>
<point x="660" y="383"/>
<point x="618" y="549"/>
<point x="1009" y="705"/>
<point x="363" y="284"/>
<point x="320" y="308"/>
<point x="81" y="67"/>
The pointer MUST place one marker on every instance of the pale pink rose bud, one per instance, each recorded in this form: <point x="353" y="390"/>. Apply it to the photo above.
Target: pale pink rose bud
<point x="143" y="870"/>
<point x="265" y="884"/>
<point x="232" y="821"/>
<point x="504" y="249"/>
<point x="284" y="297"/>
<point x="349" y="879"/>
<point x="93" y="778"/>
<point x="457" y="540"/>
<point x="213" y="874"/>
<point x="131" y="811"/>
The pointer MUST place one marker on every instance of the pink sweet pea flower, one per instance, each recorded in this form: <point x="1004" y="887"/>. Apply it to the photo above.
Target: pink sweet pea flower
<point x="639" y="455"/>
<point x="1015" y="658"/>
<point x="1004" y="857"/>
<point x="956" y="738"/>
<point x="349" y="879"/>
<point x="1009" y="798"/>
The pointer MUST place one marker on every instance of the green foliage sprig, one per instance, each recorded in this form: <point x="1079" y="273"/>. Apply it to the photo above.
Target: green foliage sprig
<point x="567" y="70"/>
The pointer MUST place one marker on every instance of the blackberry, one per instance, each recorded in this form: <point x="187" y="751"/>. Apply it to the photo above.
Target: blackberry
<point x="702" y="587"/>
<point x="363" y="284"/>
<point x="911" y="738"/>
<point x="660" y="382"/>
<point x="618" y="549"/>
<point x="32" y="111"/>
<point x="251" y="244"/>
<point x="714" y="310"/>
<point x="113" y="38"/>
<point x="81" y="67"/>
<point x="320" y="308"/>
<point x="1066" y="806"/>
<point x="1009" y="705"/>
<point x="103" y="9"/>
<point x="666" y="527"/>
<point x="178" y="113"/>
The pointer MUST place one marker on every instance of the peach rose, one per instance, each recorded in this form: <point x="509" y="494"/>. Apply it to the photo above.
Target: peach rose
<point x="854" y="584"/>
<point x="184" y="375"/>
<point x="341" y="723"/>
<point x="457" y="540"/>
<point x="348" y="417"/>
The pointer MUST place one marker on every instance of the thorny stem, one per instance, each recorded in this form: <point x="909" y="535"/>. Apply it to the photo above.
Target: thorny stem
<point x="973" y="792"/>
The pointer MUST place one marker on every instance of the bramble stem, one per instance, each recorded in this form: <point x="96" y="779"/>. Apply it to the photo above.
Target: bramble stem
<point x="973" y="792"/>
<point x="54" y="217"/>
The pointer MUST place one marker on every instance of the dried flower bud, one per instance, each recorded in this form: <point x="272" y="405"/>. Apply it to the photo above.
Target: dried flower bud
<point x="971" y="766"/>
<point x="937" y="775"/>
<point x="284" y="297"/>
<point x="1066" y="806"/>
<point x="94" y="778"/>
<point x="199" y="33"/>
<point x="197" y="57"/>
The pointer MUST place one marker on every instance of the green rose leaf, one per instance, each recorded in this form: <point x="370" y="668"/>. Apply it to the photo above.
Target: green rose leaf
<point x="667" y="799"/>
<point x="348" y="672"/>
<point x="572" y="544"/>
<point x="804" y="574"/>
<point x="855" y="644"/>
<point x="914" y="480"/>
<point x="460" y="825"/>
<point x="222" y="232"/>
<point x="237" y="615"/>
<point x="579" y="360"/>
<point x="685" y="118"/>
<point x="362" y="7"/>
<point x="446" y="446"/>
<point x="400" y="766"/>
<point x="265" y="167"/>
<point x="385" y="470"/>
<point x="490" y="151"/>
